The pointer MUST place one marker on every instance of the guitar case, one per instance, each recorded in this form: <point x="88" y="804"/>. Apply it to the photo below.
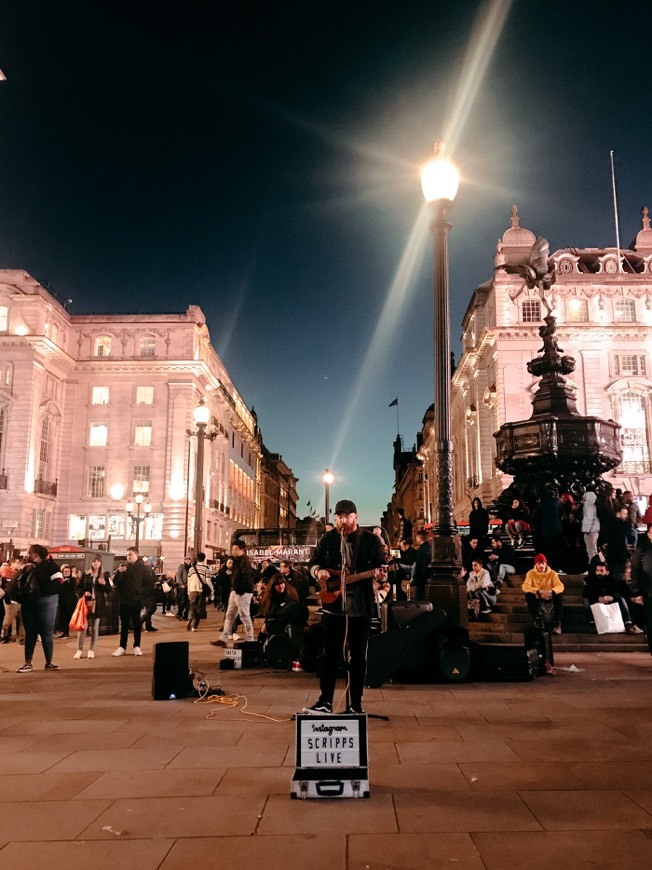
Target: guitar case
<point x="406" y="654"/>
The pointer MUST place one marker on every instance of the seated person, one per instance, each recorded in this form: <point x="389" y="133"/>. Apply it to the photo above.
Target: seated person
<point x="282" y="611"/>
<point x="500" y="561"/>
<point x="601" y="587"/>
<point x="471" y="549"/>
<point x="401" y="580"/>
<point x="479" y="586"/>
<point x="517" y="522"/>
<point x="543" y="584"/>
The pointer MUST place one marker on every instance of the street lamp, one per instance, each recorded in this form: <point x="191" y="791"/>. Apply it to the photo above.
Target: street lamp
<point x="201" y="415"/>
<point x="439" y="181"/>
<point x="136" y="518"/>
<point x="327" y="477"/>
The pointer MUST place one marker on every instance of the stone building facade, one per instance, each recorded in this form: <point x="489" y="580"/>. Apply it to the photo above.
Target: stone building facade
<point x="602" y="298"/>
<point x="96" y="409"/>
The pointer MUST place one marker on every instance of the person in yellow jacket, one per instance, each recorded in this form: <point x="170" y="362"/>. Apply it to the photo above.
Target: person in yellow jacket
<point x="543" y="584"/>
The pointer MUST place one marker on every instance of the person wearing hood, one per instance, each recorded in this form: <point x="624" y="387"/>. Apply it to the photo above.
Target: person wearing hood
<point x="542" y="583"/>
<point x="590" y="524"/>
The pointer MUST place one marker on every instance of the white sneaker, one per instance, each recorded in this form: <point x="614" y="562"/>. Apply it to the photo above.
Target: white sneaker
<point x="120" y="651"/>
<point x="137" y="651"/>
<point x="78" y="654"/>
<point x="91" y="654"/>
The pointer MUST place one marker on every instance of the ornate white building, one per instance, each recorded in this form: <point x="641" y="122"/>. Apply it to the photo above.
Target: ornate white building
<point x="602" y="298"/>
<point x="96" y="409"/>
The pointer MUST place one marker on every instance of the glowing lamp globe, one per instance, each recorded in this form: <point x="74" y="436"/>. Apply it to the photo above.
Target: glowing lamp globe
<point x="439" y="177"/>
<point x="201" y="415"/>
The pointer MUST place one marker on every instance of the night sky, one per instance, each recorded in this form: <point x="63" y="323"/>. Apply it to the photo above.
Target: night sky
<point x="260" y="159"/>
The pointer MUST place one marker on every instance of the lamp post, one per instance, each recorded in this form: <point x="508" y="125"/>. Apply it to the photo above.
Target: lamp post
<point x="201" y="415"/>
<point x="439" y="181"/>
<point x="136" y="518"/>
<point x="328" y="477"/>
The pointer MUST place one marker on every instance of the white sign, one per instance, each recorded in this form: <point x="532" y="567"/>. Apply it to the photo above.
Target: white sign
<point x="328" y="742"/>
<point x="278" y="552"/>
<point x="10" y="524"/>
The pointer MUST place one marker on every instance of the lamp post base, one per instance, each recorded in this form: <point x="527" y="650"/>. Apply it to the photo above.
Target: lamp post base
<point x="444" y="588"/>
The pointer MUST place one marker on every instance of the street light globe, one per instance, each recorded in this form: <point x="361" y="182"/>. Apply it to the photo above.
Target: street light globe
<point x="202" y="414"/>
<point x="117" y="491"/>
<point x="439" y="177"/>
<point x="328" y="477"/>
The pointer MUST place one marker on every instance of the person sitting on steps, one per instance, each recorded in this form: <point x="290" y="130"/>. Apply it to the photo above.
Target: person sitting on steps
<point x="543" y="584"/>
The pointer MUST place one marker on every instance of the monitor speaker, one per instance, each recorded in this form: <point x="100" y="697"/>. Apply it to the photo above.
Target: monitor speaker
<point x="172" y="678"/>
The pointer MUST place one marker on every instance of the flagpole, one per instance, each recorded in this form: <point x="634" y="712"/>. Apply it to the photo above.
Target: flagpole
<point x="613" y="188"/>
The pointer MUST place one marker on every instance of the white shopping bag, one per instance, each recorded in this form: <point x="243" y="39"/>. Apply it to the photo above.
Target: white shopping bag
<point x="608" y="619"/>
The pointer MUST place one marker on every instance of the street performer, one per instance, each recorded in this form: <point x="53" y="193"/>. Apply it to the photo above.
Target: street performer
<point x="364" y="554"/>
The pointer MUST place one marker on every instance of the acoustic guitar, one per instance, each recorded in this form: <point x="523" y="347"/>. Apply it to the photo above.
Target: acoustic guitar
<point x="330" y="589"/>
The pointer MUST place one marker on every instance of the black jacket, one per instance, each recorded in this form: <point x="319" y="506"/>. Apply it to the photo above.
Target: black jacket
<point x="131" y="583"/>
<point x="368" y="554"/>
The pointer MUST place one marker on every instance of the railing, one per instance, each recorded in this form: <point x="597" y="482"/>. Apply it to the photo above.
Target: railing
<point x="45" y="487"/>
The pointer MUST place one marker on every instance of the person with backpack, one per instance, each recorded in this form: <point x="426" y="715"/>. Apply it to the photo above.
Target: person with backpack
<point x="198" y="587"/>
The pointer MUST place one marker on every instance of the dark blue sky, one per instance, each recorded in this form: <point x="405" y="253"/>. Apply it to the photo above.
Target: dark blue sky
<point x="260" y="159"/>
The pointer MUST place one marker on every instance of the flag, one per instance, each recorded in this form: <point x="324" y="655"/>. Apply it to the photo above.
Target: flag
<point x="395" y="402"/>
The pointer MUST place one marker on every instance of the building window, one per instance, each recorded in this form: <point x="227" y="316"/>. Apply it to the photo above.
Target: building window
<point x="54" y="333"/>
<point x="117" y="525"/>
<point x="629" y="364"/>
<point x="100" y="396"/>
<point x="41" y="523"/>
<point x="625" y="311"/>
<point x="45" y="449"/>
<point x="96" y="481"/>
<point x="634" y="434"/>
<point x="97" y="527"/>
<point x="143" y="437"/>
<point x="141" y="479"/>
<point x="51" y="385"/>
<point x="76" y="527"/>
<point x="566" y="266"/>
<point x="147" y="345"/>
<point x="9" y="374"/>
<point x="531" y="310"/>
<point x="144" y="395"/>
<point x="153" y="527"/>
<point x="102" y="346"/>
<point x="577" y="311"/>
<point x="99" y="435"/>
<point x="4" y="318"/>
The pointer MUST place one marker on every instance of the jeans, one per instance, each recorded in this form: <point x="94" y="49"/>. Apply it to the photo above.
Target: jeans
<point x="194" y="610"/>
<point x="130" y="613"/>
<point x="239" y="605"/>
<point x="38" y="618"/>
<point x="94" y="625"/>
<point x="503" y="570"/>
<point x="357" y="635"/>
<point x="12" y="621"/>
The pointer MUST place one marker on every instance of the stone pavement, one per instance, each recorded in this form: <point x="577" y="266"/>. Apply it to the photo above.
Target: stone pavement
<point x="94" y="774"/>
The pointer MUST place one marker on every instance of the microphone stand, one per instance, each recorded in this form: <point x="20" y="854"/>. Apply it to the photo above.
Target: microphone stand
<point x="346" y="653"/>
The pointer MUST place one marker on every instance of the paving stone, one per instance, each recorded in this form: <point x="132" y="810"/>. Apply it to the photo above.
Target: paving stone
<point x="578" y="810"/>
<point x="407" y="852"/>
<point x="461" y="811"/>
<point x="117" y="759"/>
<point x="231" y="756"/>
<point x="518" y="776"/>
<point x="457" y="751"/>
<point x="362" y="816"/>
<point x="398" y="778"/>
<point x="172" y="817"/>
<point x="44" y="786"/>
<point x="153" y="783"/>
<point x="272" y="853"/>
<point x="622" y="774"/>
<point x="608" y="850"/>
<point x="47" y="820"/>
<point x="143" y="854"/>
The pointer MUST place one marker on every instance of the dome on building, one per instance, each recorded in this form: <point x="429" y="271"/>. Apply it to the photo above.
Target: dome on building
<point x="643" y="244"/>
<point x="517" y="241"/>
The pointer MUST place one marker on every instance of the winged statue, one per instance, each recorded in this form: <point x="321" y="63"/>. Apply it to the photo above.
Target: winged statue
<point x="536" y="273"/>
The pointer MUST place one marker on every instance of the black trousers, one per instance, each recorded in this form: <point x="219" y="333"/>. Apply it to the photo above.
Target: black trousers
<point x="533" y="605"/>
<point x="130" y="613"/>
<point x="357" y="634"/>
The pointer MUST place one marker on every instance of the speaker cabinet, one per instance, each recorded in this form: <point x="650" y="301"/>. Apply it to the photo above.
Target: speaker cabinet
<point x="172" y="678"/>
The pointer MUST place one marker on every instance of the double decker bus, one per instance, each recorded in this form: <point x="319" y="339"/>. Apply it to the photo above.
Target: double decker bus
<point x="295" y="545"/>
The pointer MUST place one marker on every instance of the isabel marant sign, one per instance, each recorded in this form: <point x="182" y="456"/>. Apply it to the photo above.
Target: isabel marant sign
<point x="329" y="742"/>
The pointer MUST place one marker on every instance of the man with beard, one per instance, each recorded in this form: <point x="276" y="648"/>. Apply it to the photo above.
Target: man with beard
<point x="362" y="553"/>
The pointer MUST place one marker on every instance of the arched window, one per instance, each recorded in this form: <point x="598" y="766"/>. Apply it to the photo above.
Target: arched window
<point x="634" y="434"/>
<point x="147" y="346"/>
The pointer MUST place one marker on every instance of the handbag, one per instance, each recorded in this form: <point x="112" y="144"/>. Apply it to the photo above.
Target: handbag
<point x="90" y="604"/>
<point x="22" y="588"/>
<point x="165" y="586"/>
<point x="79" y="619"/>
<point x="608" y="618"/>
